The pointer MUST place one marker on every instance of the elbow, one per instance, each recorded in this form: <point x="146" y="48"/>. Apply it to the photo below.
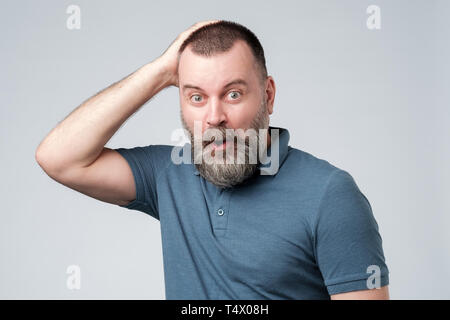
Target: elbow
<point x="47" y="162"/>
<point x="38" y="156"/>
<point x="52" y="164"/>
<point x="42" y="159"/>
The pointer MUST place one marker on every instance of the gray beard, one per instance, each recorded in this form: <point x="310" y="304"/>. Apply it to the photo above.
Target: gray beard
<point x="229" y="173"/>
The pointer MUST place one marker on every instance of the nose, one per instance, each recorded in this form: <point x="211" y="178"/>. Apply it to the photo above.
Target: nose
<point x="216" y="116"/>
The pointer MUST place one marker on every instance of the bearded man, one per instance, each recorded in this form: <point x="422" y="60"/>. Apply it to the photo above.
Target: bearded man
<point x="249" y="217"/>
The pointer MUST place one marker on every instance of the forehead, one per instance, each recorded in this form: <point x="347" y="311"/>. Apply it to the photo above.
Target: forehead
<point x="221" y="68"/>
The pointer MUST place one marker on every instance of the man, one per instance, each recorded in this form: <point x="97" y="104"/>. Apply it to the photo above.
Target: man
<point x="229" y="229"/>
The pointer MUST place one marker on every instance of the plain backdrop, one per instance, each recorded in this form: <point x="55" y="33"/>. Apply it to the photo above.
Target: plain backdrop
<point x="372" y="102"/>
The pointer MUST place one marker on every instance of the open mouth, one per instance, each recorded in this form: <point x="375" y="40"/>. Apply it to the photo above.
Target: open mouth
<point x="219" y="143"/>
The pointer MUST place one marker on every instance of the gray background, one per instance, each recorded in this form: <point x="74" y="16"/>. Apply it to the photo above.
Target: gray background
<point x="372" y="102"/>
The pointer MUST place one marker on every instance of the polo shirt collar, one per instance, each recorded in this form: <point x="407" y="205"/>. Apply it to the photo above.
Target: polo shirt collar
<point x="283" y="145"/>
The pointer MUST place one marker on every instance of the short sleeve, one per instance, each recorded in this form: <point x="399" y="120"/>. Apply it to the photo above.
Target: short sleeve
<point x="348" y="246"/>
<point x="146" y="163"/>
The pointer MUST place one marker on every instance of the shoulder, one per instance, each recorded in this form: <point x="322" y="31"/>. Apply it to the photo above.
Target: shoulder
<point x="319" y="182"/>
<point x="156" y="156"/>
<point x="160" y="151"/>
<point x="308" y="169"/>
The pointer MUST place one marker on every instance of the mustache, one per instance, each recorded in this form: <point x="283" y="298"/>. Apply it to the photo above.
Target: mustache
<point x="219" y="135"/>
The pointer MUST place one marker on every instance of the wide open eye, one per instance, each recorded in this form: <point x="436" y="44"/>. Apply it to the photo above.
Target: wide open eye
<point x="234" y="95"/>
<point x="196" y="98"/>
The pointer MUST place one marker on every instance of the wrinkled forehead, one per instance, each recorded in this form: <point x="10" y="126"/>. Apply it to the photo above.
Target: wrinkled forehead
<point x="238" y="62"/>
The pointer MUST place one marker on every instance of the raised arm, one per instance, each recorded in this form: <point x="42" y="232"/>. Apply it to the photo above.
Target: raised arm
<point x="73" y="153"/>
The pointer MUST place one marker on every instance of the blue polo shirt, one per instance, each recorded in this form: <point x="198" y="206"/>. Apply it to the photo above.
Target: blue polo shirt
<point x="306" y="232"/>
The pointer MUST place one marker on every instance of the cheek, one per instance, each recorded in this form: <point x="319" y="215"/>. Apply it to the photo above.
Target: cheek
<point x="191" y="115"/>
<point x="243" y="116"/>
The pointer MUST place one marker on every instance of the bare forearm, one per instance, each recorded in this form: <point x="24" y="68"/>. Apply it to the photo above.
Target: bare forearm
<point x="80" y="137"/>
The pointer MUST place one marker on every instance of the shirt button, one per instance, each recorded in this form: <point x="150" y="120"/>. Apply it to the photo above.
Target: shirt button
<point x="220" y="212"/>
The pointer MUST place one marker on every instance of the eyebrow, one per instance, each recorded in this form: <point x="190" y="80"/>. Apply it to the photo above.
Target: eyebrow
<point x="234" y="82"/>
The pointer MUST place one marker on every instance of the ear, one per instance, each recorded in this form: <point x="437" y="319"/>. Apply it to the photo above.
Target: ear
<point x="269" y="93"/>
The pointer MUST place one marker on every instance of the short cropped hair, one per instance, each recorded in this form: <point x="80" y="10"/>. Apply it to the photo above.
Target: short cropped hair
<point x="219" y="37"/>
